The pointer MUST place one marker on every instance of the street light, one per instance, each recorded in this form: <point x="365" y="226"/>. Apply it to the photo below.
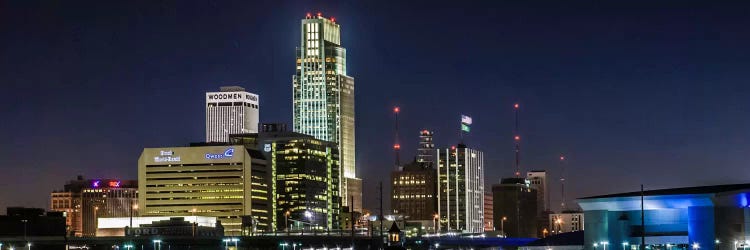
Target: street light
<point x="669" y="246"/>
<point x="604" y="245"/>
<point x="283" y="245"/>
<point x="596" y="245"/>
<point x="502" y="225"/>
<point x="696" y="246"/>
<point x="226" y="244"/>
<point x="434" y="222"/>
<point x="286" y="221"/>
<point x="625" y="244"/>
<point x="29" y="245"/>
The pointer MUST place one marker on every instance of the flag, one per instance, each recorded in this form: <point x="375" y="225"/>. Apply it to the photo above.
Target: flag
<point x="465" y="120"/>
<point x="465" y="128"/>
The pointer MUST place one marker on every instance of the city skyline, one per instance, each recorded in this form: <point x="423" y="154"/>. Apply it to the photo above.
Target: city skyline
<point x="634" y="99"/>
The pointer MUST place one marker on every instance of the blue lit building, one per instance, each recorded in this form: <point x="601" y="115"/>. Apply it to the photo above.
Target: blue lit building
<point x="708" y="217"/>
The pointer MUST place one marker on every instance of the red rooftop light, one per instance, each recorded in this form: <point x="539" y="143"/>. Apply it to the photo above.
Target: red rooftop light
<point x="396" y="110"/>
<point x="333" y="19"/>
<point x="396" y="146"/>
<point x="309" y="15"/>
<point x="320" y="14"/>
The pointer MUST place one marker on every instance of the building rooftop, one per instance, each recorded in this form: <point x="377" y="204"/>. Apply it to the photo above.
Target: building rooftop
<point x="679" y="191"/>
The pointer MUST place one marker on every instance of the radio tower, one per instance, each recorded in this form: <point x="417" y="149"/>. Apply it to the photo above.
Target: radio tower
<point x="562" y="182"/>
<point x="397" y="145"/>
<point x="517" y="140"/>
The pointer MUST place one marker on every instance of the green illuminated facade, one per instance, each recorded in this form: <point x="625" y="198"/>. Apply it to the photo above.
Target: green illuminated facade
<point x="323" y="94"/>
<point x="306" y="176"/>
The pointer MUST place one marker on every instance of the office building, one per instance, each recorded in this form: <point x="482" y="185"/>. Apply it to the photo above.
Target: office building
<point x="489" y="224"/>
<point x="83" y="201"/>
<point x="565" y="222"/>
<point x="232" y="110"/>
<point x="515" y="200"/>
<point x="230" y="183"/>
<point x="705" y="217"/>
<point x="426" y="150"/>
<point x="323" y="94"/>
<point x="538" y="181"/>
<point x="305" y="174"/>
<point x="414" y="191"/>
<point x="460" y="189"/>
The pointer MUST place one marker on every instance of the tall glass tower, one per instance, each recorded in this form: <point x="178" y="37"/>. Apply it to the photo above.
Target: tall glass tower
<point x="324" y="96"/>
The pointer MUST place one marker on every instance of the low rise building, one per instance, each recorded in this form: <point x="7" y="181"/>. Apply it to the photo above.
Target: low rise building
<point x="228" y="182"/>
<point x="705" y="217"/>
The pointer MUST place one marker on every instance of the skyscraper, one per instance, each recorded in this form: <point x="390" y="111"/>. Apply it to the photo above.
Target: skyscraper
<point x="461" y="189"/>
<point x="230" y="111"/>
<point x="323" y="94"/>
<point x="305" y="177"/>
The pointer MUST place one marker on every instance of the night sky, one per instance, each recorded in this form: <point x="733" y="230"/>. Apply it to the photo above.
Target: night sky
<point x="631" y="92"/>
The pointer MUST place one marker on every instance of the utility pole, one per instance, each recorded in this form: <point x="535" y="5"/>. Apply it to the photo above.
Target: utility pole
<point x="643" y="223"/>
<point x="381" y="212"/>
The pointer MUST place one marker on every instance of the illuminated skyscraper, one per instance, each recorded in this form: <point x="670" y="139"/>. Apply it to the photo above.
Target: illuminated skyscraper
<point x="230" y="111"/>
<point x="323" y="94"/>
<point x="460" y="189"/>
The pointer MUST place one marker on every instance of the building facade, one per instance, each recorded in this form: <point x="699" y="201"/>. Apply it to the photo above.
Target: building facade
<point x="565" y="222"/>
<point x="414" y="192"/>
<point x="85" y="200"/>
<point x="460" y="187"/>
<point x="323" y="93"/>
<point x="706" y="217"/>
<point x="515" y="200"/>
<point x="426" y="150"/>
<point x="538" y="180"/>
<point x="489" y="224"/>
<point x="305" y="174"/>
<point x="232" y="110"/>
<point x="230" y="183"/>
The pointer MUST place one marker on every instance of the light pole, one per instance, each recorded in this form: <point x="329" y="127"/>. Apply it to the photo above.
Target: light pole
<point x="669" y="246"/>
<point x="96" y="221"/>
<point x="226" y="244"/>
<point x="24" y="230"/>
<point x="283" y="245"/>
<point x="596" y="245"/>
<point x="604" y="245"/>
<point x="435" y="225"/>
<point x="696" y="246"/>
<point x="28" y="245"/>
<point x="286" y="222"/>
<point x="625" y="244"/>
<point x="194" y="220"/>
<point x="502" y="225"/>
